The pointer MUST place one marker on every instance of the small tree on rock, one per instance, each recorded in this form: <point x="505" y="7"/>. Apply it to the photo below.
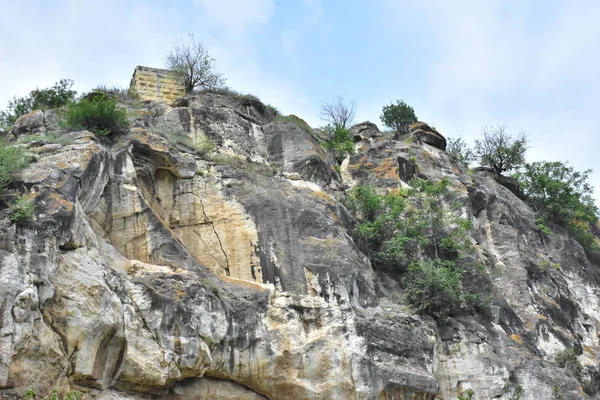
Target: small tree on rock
<point x="338" y="112"/>
<point x="460" y="150"/>
<point x="398" y="116"/>
<point x="499" y="150"/>
<point x="193" y="67"/>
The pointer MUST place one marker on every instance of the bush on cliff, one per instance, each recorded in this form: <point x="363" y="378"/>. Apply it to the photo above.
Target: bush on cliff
<point x="559" y="193"/>
<point x="12" y="159"/>
<point x="419" y="233"/>
<point x="97" y="113"/>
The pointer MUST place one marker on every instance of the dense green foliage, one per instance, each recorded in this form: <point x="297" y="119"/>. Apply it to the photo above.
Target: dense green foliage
<point x="461" y="151"/>
<point x="97" y="113"/>
<point x="556" y="394"/>
<point x="12" y="159"/>
<point x="339" y="141"/>
<point x="39" y="99"/>
<point x="418" y="232"/>
<point x="398" y="116"/>
<point x="562" y="195"/>
<point x="499" y="150"/>
<point x="22" y="210"/>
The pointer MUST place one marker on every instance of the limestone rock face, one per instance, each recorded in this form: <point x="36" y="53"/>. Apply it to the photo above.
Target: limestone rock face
<point x="426" y="134"/>
<point x="151" y="271"/>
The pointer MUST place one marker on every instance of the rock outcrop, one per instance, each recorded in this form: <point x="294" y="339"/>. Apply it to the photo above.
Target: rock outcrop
<point x="151" y="271"/>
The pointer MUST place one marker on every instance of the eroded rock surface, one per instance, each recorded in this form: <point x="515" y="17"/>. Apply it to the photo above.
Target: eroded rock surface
<point x="151" y="271"/>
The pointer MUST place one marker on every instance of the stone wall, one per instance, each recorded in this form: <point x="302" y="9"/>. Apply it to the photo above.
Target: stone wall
<point x="155" y="84"/>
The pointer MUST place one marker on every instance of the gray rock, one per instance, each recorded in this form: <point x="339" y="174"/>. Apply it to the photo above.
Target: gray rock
<point x="29" y="124"/>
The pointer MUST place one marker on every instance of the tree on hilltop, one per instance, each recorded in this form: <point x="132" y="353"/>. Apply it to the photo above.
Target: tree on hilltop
<point x="499" y="150"/>
<point x="193" y="67"/>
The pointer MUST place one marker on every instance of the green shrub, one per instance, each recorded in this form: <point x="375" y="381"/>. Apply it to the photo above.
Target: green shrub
<point x="434" y="287"/>
<point x="398" y="116"/>
<point x="98" y="114"/>
<point x="338" y="141"/>
<point x="467" y="395"/>
<point x="556" y="393"/>
<point x="39" y="99"/>
<point x="420" y="231"/>
<point x="12" y="159"/>
<point x="567" y="359"/>
<point x="516" y="392"/>
<point x="22" y="210"/>
<point x="562" y="195"/>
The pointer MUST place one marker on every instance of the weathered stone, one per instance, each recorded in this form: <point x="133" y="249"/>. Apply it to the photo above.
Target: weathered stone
<point x="294" y="151"/>
<point x="426" y="134"/>
<point x="365" y="130"/>
<point x="149" y="272"/>
<point x="29" y="124"/>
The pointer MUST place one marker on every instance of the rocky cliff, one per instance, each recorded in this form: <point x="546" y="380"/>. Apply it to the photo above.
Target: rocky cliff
<point x="151" y="271"/>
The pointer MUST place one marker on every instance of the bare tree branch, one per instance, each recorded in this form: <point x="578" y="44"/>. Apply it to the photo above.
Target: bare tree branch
<point x="191" y="65"/>
<point x="338" y="112"/>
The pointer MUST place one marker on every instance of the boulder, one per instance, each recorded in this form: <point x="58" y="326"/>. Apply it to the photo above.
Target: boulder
<point x="29" y="124"/>
<point x="426" y="134"/>
<point x="365" y="130"/>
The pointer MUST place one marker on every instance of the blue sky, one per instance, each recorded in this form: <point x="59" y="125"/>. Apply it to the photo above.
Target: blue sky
<point x="462" y="64"/>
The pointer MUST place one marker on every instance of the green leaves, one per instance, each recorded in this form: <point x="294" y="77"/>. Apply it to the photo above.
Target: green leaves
<point x="98" y="114"/>
<point x="563" y="195"/>
<point x="39" y="99"/>
<point x="12" y="159"/>
<point x="398" y="116"/>
<point x="339" y="141"/>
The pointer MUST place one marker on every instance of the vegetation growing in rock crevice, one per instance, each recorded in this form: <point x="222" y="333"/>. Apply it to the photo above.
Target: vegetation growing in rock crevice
<point x="12" y="159"/>
<point x="420" y="233"/>
<point x="98" y="113"/>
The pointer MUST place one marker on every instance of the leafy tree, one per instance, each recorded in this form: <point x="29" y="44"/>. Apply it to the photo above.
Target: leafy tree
<point x="558" y="191"/>
<point x="398" y="116"/>
<point x="499" y="150"/>
<point x="563" y="195"/>
<point x="339" y="141"/>
<point x="97" y="113"/>
<point x="461" y="151"/>
<point x="338" y="112"/>
<point x="191" y="65"/>
<point x="39" y="99"/>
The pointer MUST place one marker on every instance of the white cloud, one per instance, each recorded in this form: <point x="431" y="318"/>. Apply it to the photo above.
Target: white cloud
<point x="504" y="62"/>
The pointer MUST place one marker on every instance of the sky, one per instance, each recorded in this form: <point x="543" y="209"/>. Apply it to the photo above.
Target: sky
<point x="533" y="65"/>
